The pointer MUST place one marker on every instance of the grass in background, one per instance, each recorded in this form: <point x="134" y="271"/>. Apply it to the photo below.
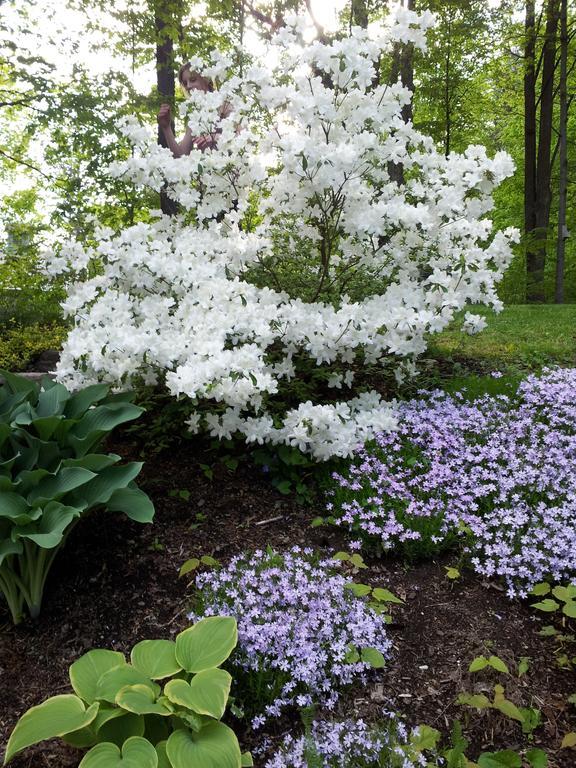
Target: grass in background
<point x="521" y="339"/>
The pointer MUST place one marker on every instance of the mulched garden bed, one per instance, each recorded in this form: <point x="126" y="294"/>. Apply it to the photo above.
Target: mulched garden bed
<point x="116" y="583"/>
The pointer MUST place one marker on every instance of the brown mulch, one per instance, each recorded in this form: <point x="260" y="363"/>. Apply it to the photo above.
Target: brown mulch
<point x="116" y="583"/>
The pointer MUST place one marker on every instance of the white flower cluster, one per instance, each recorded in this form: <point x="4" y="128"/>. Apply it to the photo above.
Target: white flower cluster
<point x="316" y="181"/>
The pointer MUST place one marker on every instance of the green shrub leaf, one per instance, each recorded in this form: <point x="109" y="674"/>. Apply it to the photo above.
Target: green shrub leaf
<point x="54" y="717"/>
<point x="385" y="596"/>
<point x="207" y="644"/>
<point x="155" y="658"/>
<point x="547" y="605"/>
<point x="136" y="753"/>
<point x="215" y="746"/>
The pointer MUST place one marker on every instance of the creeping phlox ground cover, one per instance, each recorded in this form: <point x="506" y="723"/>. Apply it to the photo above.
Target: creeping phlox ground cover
<point x="346" y="744"/>
<point x="498" y="471"/>
<point x="302" y="634"/>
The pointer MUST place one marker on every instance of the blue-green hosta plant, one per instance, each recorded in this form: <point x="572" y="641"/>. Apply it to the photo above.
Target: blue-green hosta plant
<point x="162" y="709"/>
<point x="51" y="475"/>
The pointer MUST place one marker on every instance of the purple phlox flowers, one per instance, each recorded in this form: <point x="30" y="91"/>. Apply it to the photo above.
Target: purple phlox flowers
<point x="347" y="744"/>
<point x="296" y="619"/>
<point x="499" y="471"/>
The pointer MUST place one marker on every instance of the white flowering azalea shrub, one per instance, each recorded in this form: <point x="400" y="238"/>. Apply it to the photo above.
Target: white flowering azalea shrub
<point x="321" y="234"/>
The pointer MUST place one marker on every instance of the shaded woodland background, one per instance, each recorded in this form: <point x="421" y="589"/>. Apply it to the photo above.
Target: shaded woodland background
<point x="499" y="76"/>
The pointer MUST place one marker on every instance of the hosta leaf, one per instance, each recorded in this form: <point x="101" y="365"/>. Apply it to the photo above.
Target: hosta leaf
<point x="140" y="700"/>
<point x="95" y="462"/>
<point x="8" y="548"/>
<point x="134" y="503"/>
<point x="18" y="383"/>
<point x="373" y="657"/>
<point x="207" y="644"/>
<point x="246" y="760"/>
<point x="136" y="753"/>
<point x="163" y="761"/>
<point x="55" y="717"/>
<point x="13" y="506"/>
<point x="49" y="530"/>
<point x="103" y="419"/>
<point x="112" y="681"/>
<point x="155" y="658"/>
<point x="88" y="669"/>
<point x="80" y="401"/>
<point x="215" y="746"/>
<point x="51" y="401"/>
<point x="46" y="426"/>
<point x="57" y="485"/>
<point x="102" y="486"/>
<point x="118" y="729"/>
<point x="87" y="737"/>
<point x="206" y="694"/>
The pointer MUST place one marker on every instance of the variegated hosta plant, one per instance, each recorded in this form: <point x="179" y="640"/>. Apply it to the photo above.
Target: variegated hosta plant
<point x="160" y="710"/>
<point x="51" y="475"/>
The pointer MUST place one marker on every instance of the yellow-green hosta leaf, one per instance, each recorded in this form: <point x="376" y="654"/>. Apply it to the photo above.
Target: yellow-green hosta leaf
<point x="87" y="737"/>
<point x="112" y="681"/>
<point x="207" y="644"/>
<point x="140" y="700"/>
<point x="88" y="669"/>
<point x="206" y="694"/>
<point x="136" y="753"/>
<point x="54" y="717"/>
<point x="163" y="761"/>
<point x="215" y="746"/>
<point x="118" y="729"/>
<point x="155" y="658"/>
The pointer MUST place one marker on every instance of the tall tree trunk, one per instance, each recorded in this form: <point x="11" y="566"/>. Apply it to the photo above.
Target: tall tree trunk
<point x="563" y="176"/>
<point x="529" y="128"/>
<point x="403" y="68"/>
<point x="165" y="79"/>
<point x="537" y="236"/>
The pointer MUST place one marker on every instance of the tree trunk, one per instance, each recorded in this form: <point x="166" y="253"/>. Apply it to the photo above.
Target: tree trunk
<point x="563" y="176"/>
<point x="165" y="80"/>
<point x="537" y="236"/>
<point x="403" y="68"/>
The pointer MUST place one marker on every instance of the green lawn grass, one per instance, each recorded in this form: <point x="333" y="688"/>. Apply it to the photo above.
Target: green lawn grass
<point x="519" y="340"/>
<point x="522" y="335"/>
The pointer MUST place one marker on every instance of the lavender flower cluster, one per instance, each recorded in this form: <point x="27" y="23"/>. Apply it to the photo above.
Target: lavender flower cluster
<point x="297" y="624"/>
<point x="348" y="744"/>
<point x="499" y="471"/>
